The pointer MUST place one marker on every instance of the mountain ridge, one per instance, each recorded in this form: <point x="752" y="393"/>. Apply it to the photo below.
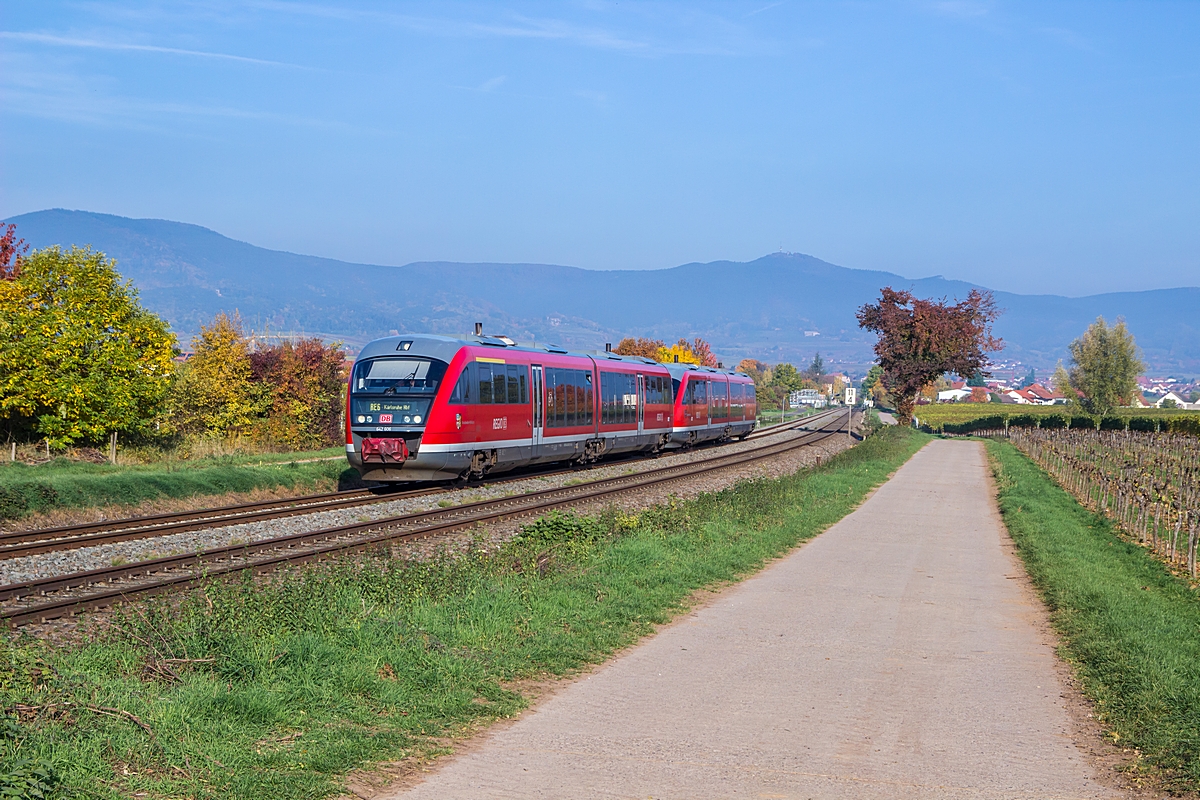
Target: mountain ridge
<point x="758" y="308"/>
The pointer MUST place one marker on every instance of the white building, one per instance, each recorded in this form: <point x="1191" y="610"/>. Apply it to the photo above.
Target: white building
<point x="807" y="397"/>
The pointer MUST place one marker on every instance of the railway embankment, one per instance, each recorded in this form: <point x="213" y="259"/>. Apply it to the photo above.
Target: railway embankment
<point x="278" y="686"/>
<point x="1129" y="623"/>
<point x="63" y="492"/>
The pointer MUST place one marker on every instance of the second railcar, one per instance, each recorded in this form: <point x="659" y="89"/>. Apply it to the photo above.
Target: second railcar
<point x="710" y="405"/>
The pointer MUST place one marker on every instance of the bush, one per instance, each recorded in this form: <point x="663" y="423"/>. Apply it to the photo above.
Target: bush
<point x="1054" y="421"/>
<point x="19" y="498"/>
<point x="1112" y="423"/>
<point x="1143" y="424"/>
<point x="1083" y="421"/>
<point x="1023" y="421"/>
<point x="1189" y="424"/>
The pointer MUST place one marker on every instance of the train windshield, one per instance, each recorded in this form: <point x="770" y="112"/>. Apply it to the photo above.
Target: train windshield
<point x="390" y="392"/>
<point x="399" y="376"/>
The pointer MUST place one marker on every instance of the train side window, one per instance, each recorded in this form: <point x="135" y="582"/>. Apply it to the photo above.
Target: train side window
<point x="720" y="400"/>
<point x="514" y="385"/>
<point x="499" y="384"/>
<point x="485" y="382"/>
<point x="523" y="381"/>
<point x="572" y="396"/>
<point x="462" y="389"/>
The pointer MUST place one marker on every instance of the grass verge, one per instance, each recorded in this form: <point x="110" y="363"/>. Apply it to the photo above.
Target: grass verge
<point x="278" y="688"/>
<point x="66" y="484"/>
<point x="1130" y="629"/>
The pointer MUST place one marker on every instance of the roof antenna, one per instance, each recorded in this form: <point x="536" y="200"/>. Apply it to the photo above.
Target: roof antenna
<point x="479" y="329"/>
<point x="608" y="347"/>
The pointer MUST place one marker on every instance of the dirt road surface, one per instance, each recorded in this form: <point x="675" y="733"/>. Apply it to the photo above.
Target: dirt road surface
<point x="898" y="655"/>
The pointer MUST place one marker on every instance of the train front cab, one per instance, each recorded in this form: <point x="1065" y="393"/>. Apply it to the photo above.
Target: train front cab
<point x="710" y="405"/>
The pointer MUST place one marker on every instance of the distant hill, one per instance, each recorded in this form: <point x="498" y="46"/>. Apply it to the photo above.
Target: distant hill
<point x="762" y="308"/>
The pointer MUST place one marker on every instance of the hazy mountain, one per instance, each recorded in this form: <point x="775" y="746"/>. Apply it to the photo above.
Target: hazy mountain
<point x="761" y="308"/>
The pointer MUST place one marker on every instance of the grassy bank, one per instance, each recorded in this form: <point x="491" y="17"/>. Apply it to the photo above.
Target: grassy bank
<point x="73" y="484"/>
<point x="278" y="689"/>
<point x="1130" y="628"/>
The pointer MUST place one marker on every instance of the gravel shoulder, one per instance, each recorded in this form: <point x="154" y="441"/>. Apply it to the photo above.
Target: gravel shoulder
<point x="46" y="565"/>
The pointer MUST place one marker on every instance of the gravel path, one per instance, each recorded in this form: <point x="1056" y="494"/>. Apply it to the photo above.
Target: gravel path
<point x="46" y="565"/>
<point x="898" y="655"/>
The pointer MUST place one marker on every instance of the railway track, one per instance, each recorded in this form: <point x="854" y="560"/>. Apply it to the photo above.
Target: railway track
<point x="47" y="540"/>
<point x="31" y="601"/>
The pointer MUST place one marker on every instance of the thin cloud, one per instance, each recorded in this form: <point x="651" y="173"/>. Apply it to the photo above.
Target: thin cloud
<point x="767" y="7"/>
<point x="512" y="27"/>
<point x="63" y="41"/>
<point x="492" y="83"/>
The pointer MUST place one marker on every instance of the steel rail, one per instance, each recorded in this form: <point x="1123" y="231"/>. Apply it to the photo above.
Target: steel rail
<point x="47" y="540"/>
<point x="350" y="538"/>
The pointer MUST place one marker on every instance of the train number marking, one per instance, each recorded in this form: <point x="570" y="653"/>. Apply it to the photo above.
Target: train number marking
<point x="500" y="423"/>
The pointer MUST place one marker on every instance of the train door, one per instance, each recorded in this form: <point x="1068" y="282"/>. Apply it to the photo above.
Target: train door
<point x="641" y="402"/>
<point x="539" y="412"/>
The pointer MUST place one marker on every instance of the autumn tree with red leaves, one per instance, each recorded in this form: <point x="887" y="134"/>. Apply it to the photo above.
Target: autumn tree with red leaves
<point x="12" y="250"/>
<point x="922" y="339"/>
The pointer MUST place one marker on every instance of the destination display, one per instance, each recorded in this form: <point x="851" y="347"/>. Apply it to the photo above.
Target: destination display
<point x="390" y="410"/>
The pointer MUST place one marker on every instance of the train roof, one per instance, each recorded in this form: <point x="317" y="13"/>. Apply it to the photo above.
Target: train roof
<point x="441" y="347"/>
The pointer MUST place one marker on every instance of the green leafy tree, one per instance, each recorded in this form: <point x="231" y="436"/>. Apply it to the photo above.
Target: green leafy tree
<point x="79" y="356"/>
<point x="1105" y="365"/>
<point x="816" y="369"/>
<point x="215" y="394"/>
<point x="1062" y="383"/>
<point x="787" y="377"/>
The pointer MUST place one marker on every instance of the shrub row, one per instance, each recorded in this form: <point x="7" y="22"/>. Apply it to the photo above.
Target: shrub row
<point x="1181" y="424"/>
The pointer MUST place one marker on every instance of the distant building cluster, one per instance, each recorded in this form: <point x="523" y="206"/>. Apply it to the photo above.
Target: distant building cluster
<point x="1152" y="393"/>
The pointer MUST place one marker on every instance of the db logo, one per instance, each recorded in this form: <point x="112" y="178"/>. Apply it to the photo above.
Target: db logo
<point x="500" y="423"/>
<point x="385" y="419"/>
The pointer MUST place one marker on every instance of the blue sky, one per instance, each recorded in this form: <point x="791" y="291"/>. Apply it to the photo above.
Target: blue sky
<point x="1032" y="147"/>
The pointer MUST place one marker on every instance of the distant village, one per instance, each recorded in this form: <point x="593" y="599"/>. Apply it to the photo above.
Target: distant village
<point x="1152" y="392"/>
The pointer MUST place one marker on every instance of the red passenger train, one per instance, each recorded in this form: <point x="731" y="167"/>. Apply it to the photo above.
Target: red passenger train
<point x="427" y="407"/>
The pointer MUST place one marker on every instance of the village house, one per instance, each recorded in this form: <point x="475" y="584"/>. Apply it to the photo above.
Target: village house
<point x="1034" y="395"/>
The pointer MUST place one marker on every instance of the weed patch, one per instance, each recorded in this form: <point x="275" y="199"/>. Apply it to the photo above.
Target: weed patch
<point x="278" y="688"/>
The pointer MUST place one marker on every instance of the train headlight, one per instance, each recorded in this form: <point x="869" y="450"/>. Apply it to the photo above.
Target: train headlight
<point x="407" y="418"/>
<point x="417" y="418"/>
<point x="361" y="418"/>
<point x="369" y="418"/>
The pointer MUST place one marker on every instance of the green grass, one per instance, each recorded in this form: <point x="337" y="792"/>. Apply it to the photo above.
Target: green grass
<point x="72" y="484"/>
<point x="322" y="670"/>
<point x="1129" y="627"/>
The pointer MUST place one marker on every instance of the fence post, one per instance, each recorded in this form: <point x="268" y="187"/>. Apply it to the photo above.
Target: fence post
<point x="112" y="448"/>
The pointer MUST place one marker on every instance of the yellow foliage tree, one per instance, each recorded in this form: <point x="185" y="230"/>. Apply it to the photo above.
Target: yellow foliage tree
<point x="677" y="352"/>
<point x="215" y="394"/>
